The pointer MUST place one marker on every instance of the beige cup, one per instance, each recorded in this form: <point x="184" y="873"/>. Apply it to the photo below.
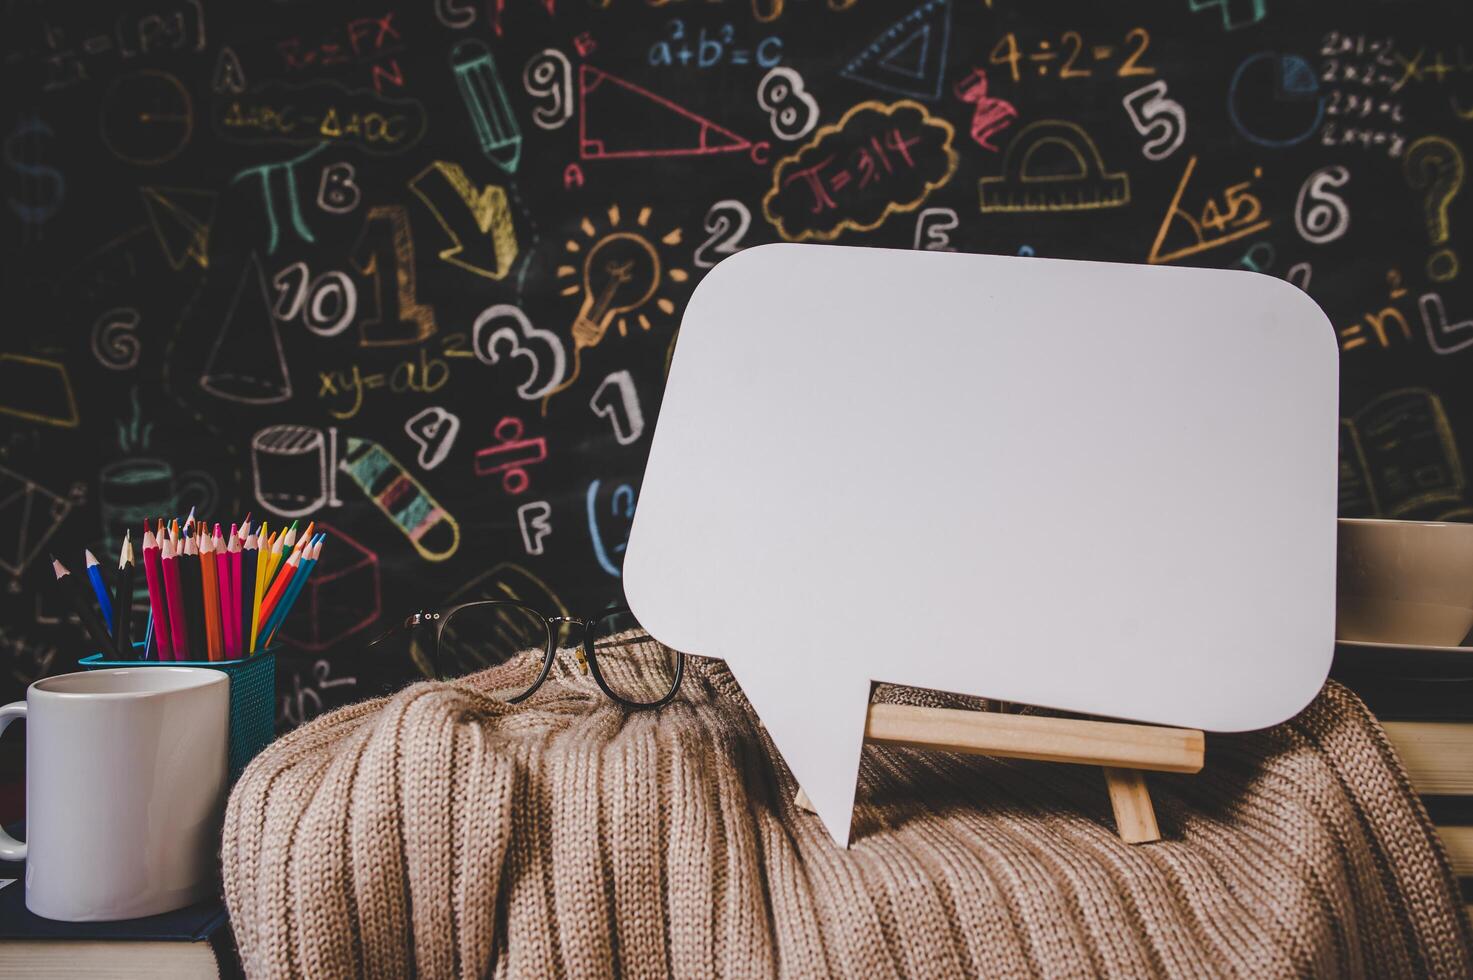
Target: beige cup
<point x="1404" y="582"/>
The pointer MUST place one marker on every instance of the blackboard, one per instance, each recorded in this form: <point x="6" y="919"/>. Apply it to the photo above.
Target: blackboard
<point x="259" y="256"/>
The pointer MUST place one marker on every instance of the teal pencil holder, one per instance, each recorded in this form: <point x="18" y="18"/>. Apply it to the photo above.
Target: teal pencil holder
<point x="252" y="698"/>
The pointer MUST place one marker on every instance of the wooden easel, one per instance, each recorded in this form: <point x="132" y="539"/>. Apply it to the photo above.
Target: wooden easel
<point x="1125" y="751"/>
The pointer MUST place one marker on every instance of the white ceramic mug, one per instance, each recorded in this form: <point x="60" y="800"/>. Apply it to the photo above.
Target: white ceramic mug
<point x="125" y="789"/>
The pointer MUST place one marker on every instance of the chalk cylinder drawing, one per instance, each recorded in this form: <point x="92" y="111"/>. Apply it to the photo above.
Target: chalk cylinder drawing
<point x="290" y="469"/>
<point x="1029" y="479"/>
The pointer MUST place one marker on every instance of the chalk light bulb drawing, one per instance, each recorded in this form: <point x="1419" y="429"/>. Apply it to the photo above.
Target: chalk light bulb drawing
<point x="618" y="277"/>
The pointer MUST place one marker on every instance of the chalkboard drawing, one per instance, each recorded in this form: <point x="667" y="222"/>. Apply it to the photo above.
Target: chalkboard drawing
<point x="132" y="490"/>
<point x="402" y="499"/>
<point x="42" y="186"/>
<point x="1053" y="165"/>
<point x="287" y="168"/>
<point x="247" y="363"/>
<point x="115" y="341"/>
<point x="1321" y="215"/>
<point x="1274" y="99"/>
<point x="1355" y="497"/>
<point x="1157" y="116"/>
<point x="181" y="222"/>
<point x="341" y="599"/>
<point x="229" y="76"/>
<point x="1407" y="457"/>
<point x="29" y="516"/>
<point x="1235" y="13"/>
<point x="618" y="119"/>
<point x="618" y="276"/>
<point x="477" y="221"/>
<point x="990" y="115"/>
<point x="504" y="327"/>
<point x="147" y="118"/>
<point x="1181" y="235"/>
<point x="617" y="401"/>
<point x="548" y="76"/>
<point x="1354" y="335"/>
<point x="510" y="455"/>
<point x="1435" y="165"/>
<point x="337" y="193"/>
<point x="385" y="253"/>
<point x="615" y="508"/>
<point x="485" y="100"/>
<point x="792" y="111"/>
<point x="434" y="430"/>
<point x="933" y="229"/>
<point x="320" y="112"/>
<point x="909" y="56"/>
<point x="878" y="160"/>
<point x="534" y="520"/>
<point x="291" y="469"/>
<point x="728" y="222"/>
<point x="37" y="389"/>
<point x="1443" y="337"/>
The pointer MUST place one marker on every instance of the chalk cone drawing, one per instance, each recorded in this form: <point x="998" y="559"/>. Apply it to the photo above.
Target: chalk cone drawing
<point x="247" y="363"/>
<point x="29" y="516"/>
<point x="1155" y="542"/>
<point x="402" y="499"/>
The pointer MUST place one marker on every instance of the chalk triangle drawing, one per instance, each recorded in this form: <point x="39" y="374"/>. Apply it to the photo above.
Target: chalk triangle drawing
<point x="618" y="119"/>
<point x="181" y="222"/>
<point x="247" y="363"/>
<point x="229" y="76"/>
<point x="909" y="56"/>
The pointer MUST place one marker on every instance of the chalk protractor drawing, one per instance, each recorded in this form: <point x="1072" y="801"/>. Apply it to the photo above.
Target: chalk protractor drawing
<point x="181" y="222"/>
<point x="909" y="56"/>
<point x="1053" y="165"/>
<point x="618" y="119"/>
<point x="402" y="499"/>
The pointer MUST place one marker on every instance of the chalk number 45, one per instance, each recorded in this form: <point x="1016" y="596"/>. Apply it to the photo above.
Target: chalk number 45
<point x="1160" y="119"/>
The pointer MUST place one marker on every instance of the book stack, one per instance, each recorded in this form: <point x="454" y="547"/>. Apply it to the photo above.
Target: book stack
<point x="191" y="942"/>
<point x="1423" y="697"/>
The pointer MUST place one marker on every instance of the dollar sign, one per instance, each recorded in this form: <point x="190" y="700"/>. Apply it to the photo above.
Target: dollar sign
<point x="22" y="153"/>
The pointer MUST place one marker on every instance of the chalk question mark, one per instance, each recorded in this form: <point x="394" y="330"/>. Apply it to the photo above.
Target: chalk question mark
<point x="1436" y="165"/>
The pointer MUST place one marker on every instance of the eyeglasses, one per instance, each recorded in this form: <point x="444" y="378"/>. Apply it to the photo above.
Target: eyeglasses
<point x="637" y="671"/>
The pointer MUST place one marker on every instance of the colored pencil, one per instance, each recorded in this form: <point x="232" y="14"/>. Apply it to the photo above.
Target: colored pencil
<point x="76" y="595"/>
<point x="153" y="575"/>
<point x="232" y="597"/>
<point x="278" y="589"/>
<point x="99" y="588"/>
<point x="194" y="601"/>
<point x="274" y="560"/>
<point x="210" y="580"/>
<point x="298" y="584"/>
<point x="263" y="560"/>
<point x="247" y="598"/>
<point x="123" y="601"/>
<point x="220" y="559"/>
<point x="175" y="602"/>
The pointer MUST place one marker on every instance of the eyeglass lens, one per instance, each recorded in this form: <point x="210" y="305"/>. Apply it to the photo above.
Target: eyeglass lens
<point x="635" y="666"/>
<point x="495" y="634"/>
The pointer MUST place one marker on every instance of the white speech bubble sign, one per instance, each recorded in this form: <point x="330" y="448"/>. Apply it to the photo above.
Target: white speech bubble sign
<point x="1096" y="487"/>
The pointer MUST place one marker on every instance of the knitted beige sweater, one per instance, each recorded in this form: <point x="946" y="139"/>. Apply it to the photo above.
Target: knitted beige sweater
<point x="442" y="833"/>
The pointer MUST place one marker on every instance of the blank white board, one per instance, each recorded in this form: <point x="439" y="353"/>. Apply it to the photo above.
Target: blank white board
<point x="1095" y="487"/>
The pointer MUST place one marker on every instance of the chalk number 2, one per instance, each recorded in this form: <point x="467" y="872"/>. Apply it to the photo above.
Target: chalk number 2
<point x="727" y="221"/>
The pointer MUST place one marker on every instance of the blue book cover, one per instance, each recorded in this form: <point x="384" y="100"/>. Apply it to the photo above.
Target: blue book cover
<point x="194" y="923"/>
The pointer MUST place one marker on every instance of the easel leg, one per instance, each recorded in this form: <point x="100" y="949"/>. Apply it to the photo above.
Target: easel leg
<point x="1135" y="818"/>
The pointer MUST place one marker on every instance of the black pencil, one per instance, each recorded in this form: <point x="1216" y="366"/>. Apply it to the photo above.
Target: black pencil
<point x="194" y="600"/>
<point x="81" y="604"/>
<point x="123" y="601"/>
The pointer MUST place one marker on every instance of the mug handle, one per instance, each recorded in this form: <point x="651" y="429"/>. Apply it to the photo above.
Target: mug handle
<point x="10" y="848"/>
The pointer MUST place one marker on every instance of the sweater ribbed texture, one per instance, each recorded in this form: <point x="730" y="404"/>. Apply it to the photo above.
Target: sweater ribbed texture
<point x="443" y="833"/>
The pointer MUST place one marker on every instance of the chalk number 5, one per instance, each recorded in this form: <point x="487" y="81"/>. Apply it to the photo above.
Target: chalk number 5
<point x="1161" y="120"/>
